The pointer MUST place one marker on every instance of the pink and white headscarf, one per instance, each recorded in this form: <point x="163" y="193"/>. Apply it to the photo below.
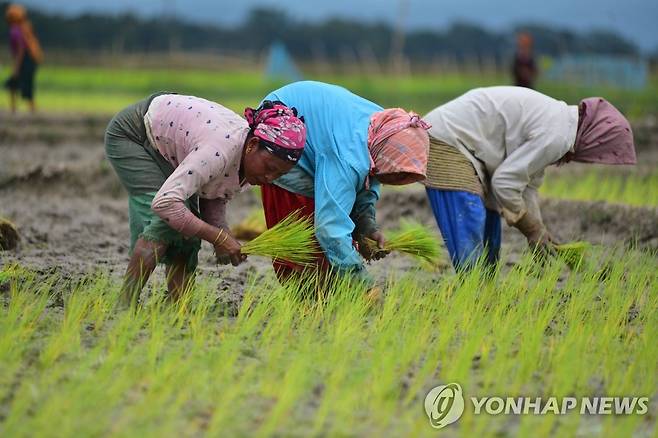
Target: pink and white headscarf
<point x="282" y="132"/>
<point x="398" y="142"/>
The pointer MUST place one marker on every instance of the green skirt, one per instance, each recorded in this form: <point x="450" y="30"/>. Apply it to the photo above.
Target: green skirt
<point x="142" y="171"/>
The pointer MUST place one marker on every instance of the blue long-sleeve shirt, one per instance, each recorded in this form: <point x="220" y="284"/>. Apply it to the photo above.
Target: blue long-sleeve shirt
<point x="334" y="165"/>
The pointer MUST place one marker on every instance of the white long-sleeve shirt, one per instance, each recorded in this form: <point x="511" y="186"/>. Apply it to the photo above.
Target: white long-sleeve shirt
<point x="510" y="134"/>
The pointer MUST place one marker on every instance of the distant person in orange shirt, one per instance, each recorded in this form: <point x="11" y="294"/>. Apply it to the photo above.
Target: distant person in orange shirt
<point x="27" y="54"/>
<point x="524" y="68"/>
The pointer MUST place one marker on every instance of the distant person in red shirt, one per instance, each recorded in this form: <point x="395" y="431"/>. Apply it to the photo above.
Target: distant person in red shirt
<point x="27" y="54"/>
<point x="524" y="68"/>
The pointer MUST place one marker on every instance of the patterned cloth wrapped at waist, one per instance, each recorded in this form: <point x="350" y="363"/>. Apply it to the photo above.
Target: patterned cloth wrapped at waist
<point x="449" y="169"/>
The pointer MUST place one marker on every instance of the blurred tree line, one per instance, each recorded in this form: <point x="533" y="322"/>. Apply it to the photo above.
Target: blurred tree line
<point x="333" y="39"/>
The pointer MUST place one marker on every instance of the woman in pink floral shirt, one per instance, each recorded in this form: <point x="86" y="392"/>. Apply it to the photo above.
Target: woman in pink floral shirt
<point x="181" y="159"/>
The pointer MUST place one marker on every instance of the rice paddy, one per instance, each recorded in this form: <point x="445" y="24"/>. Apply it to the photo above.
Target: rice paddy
<point x="277" y="362"/>
<point x="333" y="366"/>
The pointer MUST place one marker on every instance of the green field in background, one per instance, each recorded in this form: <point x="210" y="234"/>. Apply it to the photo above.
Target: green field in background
<point x="106" y="90"/>
<point x="628" y="186"/>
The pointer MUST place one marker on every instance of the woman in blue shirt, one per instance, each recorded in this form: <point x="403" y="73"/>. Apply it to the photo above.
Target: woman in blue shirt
<point x="352" y="146"/>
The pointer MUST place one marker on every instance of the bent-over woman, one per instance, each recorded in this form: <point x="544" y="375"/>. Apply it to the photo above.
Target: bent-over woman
<point x="181" y="159"/>
<point x="488" y="152"/>
<point x="352" y="145"/>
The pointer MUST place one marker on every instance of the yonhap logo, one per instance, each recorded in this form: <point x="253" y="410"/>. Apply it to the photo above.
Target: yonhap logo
<point x="444" y="405"/>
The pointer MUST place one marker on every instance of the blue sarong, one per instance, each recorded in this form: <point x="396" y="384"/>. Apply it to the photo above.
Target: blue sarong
<point x="469" y="229"/>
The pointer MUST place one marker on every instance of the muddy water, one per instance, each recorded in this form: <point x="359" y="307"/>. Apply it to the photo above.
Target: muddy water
<point x="57" y="187"/>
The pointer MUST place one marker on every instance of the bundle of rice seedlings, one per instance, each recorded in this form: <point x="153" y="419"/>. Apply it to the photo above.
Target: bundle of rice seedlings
<point x="8" y="235"/>
<point x="292" y="239"/>
<point x="251" y="227"/>
<point x="414" y="239"/>
<point x="573" y="254"/>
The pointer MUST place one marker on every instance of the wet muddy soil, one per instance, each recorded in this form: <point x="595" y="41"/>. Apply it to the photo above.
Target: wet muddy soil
<point x="71" y="211"/>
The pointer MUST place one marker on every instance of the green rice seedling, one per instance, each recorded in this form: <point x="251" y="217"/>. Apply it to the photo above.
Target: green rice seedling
<point x="333" y="366"/>
<point x="619" y="187"/>
<point x="77" y="305"/>
<point x="14" y="273"/>
<point x="9" y="236"/>
<point x="573" y="253"/>
<point x="292" y="240"/>
<point x="20" y="322"/>
<point x="411" y="238"/>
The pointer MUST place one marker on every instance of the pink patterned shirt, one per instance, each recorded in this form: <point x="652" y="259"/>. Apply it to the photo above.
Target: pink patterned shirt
<point x="203" y="141"/>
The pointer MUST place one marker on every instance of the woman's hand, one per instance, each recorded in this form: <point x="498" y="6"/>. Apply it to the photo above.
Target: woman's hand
<point x="539" y="239"/>
<point x="228" y="249"/>
<point x="370" y="253"/>
<point x="222" y="258"/>
<point x="542" y="244"/>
